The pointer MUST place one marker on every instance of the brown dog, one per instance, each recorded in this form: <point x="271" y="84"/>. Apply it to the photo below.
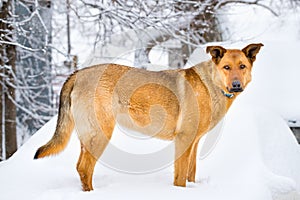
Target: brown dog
<point x="180" y="105"/>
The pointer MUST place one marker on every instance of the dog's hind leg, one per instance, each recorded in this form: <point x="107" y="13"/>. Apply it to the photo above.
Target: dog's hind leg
<point x="91" y="149"/>
<point x="94" y="136"/>
<point x="85" y="168"/>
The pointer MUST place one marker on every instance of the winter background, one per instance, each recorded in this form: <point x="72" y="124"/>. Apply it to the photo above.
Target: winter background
<point x="256" y="156"/>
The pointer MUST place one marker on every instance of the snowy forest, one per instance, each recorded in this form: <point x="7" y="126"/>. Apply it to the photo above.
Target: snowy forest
<point x="253" y="153"/>
<point x="43" y="41"/>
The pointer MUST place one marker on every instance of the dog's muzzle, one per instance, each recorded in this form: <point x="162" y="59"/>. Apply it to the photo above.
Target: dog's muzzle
<point x="236" y="87"/>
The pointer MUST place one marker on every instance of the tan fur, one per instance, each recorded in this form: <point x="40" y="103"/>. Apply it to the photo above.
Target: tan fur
<point x="65" y="123"/>
<point x="180" y="105"/>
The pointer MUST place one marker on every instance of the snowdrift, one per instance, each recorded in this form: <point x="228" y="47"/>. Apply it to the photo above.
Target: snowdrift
<point x="256" y="157"/>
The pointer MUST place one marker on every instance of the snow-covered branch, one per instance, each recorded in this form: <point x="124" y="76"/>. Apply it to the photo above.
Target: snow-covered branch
<point x="20" y="45"/>
<point x="28" y="84"/>
<point x="255" y="3"/>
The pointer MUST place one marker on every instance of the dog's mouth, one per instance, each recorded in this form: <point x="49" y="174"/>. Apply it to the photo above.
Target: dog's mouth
<point x="235" y="90"/>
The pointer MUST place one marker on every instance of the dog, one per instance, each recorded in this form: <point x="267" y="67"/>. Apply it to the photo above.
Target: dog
<point x="180" y="105"/>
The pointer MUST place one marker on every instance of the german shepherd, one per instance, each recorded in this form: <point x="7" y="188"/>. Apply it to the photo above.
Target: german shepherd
<point x="179" y="105"/>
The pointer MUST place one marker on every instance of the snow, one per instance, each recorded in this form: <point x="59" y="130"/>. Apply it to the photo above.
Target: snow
<point x="252" y="154"/>
<point x="275" y="73"/>
<point x="253" y="159"/>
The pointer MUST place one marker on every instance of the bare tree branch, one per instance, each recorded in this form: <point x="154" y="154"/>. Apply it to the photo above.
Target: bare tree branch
<point x="255" y="3"/>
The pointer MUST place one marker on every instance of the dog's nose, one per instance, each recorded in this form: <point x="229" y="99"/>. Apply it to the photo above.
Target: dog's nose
<point x="236" y="86"/>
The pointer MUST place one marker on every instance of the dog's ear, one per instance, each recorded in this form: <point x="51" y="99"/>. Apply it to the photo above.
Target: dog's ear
<point x="251" y="50"/>
<point x="216" y="52"/>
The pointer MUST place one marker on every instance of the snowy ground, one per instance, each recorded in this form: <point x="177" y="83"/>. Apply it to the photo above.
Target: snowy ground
<point x="256" y="157"/>
<point x="253" y="160"/>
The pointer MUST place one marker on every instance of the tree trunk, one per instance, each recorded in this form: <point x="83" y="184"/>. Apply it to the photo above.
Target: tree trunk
<point x="204" y="24"/>
<point x="33" y="68"/>
<point x="10" y="107"/>
<point x="7" y="62"/>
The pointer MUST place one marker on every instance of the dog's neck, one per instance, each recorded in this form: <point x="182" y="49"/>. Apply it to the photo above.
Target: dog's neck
<point x="221" y="101"/>
<point x="230" y="98"/>
<point x="228" y="95"/>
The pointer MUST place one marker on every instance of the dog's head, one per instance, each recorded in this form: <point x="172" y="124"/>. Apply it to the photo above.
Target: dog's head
<point x="232" y="67"/>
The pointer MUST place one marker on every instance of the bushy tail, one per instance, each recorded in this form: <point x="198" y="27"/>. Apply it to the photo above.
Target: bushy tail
<point x="65" y="123"/>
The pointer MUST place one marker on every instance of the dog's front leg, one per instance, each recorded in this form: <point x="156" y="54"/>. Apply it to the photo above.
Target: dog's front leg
<point x="192" y="162"/>
<point x="182" y="154"/>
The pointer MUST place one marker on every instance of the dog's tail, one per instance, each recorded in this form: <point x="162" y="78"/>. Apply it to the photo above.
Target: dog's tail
<point x="65" y="123"/>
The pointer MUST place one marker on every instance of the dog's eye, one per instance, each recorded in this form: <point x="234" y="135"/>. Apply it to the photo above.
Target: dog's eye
<point x="226" y="67"/>
<point x="242" y="66"/>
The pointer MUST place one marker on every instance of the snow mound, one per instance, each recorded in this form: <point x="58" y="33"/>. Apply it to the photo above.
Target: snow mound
<point x="256" y="157"/>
